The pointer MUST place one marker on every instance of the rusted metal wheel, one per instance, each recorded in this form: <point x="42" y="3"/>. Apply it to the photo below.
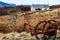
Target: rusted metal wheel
<point x="53" y="28"/>
<point x="38" y="29"/>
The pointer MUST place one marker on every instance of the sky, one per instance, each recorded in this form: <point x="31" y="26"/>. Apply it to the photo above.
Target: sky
<point x="30" y="2"/>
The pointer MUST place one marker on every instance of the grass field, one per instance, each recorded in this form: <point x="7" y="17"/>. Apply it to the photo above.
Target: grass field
<point x="32" y="17"/>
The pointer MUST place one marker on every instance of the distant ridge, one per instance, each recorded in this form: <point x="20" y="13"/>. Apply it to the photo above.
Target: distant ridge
<point x="55" y="6"/>
<point x="3" y="4"/>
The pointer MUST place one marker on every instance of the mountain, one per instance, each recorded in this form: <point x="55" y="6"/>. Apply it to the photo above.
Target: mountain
<point x="3" y="4"/>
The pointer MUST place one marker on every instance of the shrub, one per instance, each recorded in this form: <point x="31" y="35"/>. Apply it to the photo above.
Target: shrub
<point x="3" y="12"/>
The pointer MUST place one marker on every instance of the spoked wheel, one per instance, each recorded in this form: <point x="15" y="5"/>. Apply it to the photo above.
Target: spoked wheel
<point x="39" y="30"/>
<point x="53" y="29"/>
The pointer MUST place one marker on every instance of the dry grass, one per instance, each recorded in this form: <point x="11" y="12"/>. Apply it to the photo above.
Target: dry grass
<point x="32" y="17"/>
<point x="17" y="36"/>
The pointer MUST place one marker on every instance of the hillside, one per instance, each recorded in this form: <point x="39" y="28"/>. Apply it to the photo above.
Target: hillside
<point x="32" y="17"/>
<point x="3" y="4"/>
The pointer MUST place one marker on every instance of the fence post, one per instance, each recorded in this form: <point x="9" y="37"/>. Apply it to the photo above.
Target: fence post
<point x="13" y="18"/>
<point x="58" y="13"/>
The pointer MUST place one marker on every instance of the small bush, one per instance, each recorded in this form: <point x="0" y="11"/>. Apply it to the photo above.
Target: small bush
<point x="3" y="12"/>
